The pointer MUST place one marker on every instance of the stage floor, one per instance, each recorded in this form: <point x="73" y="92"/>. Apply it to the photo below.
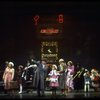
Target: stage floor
<point x="48" y="95"/>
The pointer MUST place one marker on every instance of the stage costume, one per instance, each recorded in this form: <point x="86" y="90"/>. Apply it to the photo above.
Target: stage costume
<point x="87" y="81"/>
<point x="95" y="78"/>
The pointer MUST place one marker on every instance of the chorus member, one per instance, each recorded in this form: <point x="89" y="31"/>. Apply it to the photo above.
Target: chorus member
<point x="87" y="81"/>
<point x="69" y="77"/>
<point x="95" y="78"/>
<point x="20" y="78"/>
<point x="61" y="69"/>
<point x="54" y="79"/>
<point x="8" y="76"/>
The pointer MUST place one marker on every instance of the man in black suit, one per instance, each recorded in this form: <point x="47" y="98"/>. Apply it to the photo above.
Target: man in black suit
<point x="39" y="77"/>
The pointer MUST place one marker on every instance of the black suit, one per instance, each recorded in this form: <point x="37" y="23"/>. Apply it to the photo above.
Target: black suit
<point x="39" y="78"/>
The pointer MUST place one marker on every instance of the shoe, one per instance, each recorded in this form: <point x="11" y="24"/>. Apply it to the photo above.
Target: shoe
<point x="20" y="92"/>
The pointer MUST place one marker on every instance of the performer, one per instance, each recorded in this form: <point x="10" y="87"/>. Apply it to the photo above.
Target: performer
<point x="61" y="69"/>
<point x="28" y="75"/>
<point x="8" y="76"/>
<point x="26" y="71"/>
<point x="54" y="79"/>
<point x="40" y="76"/>
<point x="69" y="77"/>
<point x="87" y="81"/>
<point x="19" y="78"/>
<point x="95" y="78"/>
<point x="78" y="78"/>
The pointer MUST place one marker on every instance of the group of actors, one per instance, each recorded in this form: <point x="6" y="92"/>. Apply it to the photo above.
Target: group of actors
<point x="63" y="76"/>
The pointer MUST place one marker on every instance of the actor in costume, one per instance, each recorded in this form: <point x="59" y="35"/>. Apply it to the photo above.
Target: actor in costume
<point x="61" y="69"/>
<point x="69" y="76"/>
<point x="8" y="76"/>
<point x="19" y="78"/>
<point x="95" y="78"/>
<point x="54" y="79"/>
<point x="87" y="81"/>
<point x="40" y="76"/>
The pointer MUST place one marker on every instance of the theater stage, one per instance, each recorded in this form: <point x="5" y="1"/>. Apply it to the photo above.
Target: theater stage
<point x="48" y="95"/>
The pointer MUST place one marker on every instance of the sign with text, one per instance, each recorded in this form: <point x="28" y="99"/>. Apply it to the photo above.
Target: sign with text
<point x="49" y="26"/>
<point x="49" y="50"/>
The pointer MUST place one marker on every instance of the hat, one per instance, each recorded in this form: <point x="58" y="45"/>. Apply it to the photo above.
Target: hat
<point x="61" y="60"/>
<point x="11" y="63"/>
<point x="70" y="62"/>
<point x="93" y="70"/>
<point x="55" y="66"/>
<point x="86" y="70"/>
<point x="21" y="66"/>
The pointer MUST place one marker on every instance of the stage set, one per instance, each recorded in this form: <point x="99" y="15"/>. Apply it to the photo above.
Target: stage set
<point x="58" y="31"/>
